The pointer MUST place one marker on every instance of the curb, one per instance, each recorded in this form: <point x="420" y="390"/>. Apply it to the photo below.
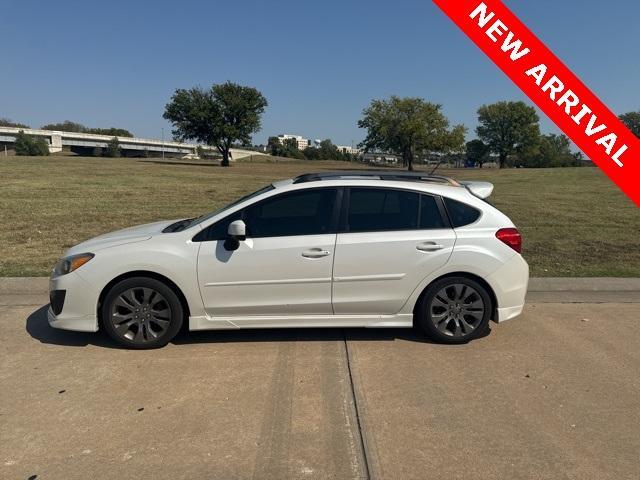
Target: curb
<point x="584" y="284"/>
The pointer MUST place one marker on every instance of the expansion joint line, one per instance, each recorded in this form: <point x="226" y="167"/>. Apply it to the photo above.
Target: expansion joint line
<point x="361" y="438"/>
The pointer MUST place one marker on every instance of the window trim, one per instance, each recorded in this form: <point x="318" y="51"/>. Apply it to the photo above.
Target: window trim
<point x="346" y="199"/>
<point x="203" y="236"/>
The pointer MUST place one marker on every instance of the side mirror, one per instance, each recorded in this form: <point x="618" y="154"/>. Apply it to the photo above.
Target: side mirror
<point x="236" y="232"/>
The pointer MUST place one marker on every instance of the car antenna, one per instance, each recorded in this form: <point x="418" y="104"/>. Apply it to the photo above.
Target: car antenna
<point x="436" y="167"/>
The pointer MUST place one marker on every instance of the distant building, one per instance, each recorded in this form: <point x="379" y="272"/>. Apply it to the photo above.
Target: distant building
<point x="302" y="142"/>
<point x="349" y="150"/>
<point x="381" y="158"/>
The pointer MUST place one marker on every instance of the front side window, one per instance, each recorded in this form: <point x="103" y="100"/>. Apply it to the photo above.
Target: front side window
<point x="206" y="217"/>
<point x="307" y="212"/>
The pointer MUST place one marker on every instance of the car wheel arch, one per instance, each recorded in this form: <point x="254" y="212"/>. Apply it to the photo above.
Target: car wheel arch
<point x="471" y="276"/>
<point x="149" y="274"/>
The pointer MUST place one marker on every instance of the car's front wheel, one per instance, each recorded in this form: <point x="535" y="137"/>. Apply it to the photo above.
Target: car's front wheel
<point x="455" y="310"/>
<point x="141" y="313"/>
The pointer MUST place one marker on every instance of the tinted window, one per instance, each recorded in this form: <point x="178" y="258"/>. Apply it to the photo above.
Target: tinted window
<point x="372" y="209"/>
<point x="460" y="213"/>
<point x="430" y="213"/>
<point x="299" y="213"/>
<point x="232" y="204"/>
<point x="217" y="231"/>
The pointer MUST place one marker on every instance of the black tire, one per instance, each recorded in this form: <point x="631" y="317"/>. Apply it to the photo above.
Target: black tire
<point x="141" y="313"/>
<point x="449" y="311"/>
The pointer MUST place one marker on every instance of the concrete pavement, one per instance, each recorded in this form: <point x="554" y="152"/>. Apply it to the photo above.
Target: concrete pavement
<point x="552" y="394"/>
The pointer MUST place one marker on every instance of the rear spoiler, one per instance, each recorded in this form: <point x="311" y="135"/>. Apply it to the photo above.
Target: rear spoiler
<point x="479" y="189"/>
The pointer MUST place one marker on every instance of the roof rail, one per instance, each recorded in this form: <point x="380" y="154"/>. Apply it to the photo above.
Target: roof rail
<point x="375" y="174"/>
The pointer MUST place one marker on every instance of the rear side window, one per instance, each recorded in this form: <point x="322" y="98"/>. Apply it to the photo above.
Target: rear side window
<point x="430" y="213"/>
<point x="460" y="213"/>
<point x="385" y="209"/>
<point x="372" y="210"/>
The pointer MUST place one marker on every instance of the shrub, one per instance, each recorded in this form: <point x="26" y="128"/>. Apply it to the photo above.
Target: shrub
<point x="5" y="122"/>
<point x="113" y="148"/>
<point x="30" y="146"/>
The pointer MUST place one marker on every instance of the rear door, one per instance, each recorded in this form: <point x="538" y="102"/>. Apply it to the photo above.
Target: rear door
<point x="391" y="239"/>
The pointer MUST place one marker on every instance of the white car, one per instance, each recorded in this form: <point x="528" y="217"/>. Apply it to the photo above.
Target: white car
<point x="334" y="249"/>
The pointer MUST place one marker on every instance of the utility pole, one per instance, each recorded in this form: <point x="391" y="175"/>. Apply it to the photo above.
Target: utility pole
<point x="5" y="151"/>
<point x="163" y="143"/>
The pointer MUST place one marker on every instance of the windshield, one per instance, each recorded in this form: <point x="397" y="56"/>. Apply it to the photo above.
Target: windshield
<point x="207" y="216"/>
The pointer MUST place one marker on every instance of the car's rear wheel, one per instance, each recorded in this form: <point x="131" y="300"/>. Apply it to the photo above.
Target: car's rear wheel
<point x="455" y="310"/>
<point x="142" y="313"/>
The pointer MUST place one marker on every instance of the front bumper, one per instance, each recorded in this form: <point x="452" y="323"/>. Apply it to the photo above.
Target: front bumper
<point x="78" y="311"/>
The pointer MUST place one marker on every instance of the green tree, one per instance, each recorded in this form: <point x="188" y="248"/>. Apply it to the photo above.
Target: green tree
<point x="508" y="128"/>
<point x="290" y="144"/>
<point x="275" y="147"/>
<point x="69" y="126"/>
<point x="552" y="151"/>
<point x="409" y="127"/>
<point x="312" y="153"/>
<point x="112" y="131"/>
<point x="220" y="116"/>
<point x="113" y="149"/>
<point x="26" y="145"/>
<point x="5" y="122"/>
<point x="632" y="121"/>
<point x="328" y="151"/>
<point x="285" y="148"/>
<point x="477" y="152"/>
<point x="66" y="126"/>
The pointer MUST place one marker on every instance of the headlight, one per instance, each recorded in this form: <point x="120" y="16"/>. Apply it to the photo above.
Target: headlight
<point x="69" y="264"/>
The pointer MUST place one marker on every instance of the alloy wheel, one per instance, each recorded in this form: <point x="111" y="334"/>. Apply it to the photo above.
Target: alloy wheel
<point x="457" y="310"/>
<point x="140" y="315"/>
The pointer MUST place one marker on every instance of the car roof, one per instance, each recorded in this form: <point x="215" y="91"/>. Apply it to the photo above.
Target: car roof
<point x="419" y="181"/>
<point x="394" y="175"/>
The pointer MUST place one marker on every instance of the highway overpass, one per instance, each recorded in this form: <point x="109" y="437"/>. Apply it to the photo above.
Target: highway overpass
<point x="85" y="143"/>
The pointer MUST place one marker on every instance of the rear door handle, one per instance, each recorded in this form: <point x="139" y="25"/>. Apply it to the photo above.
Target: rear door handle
<point x="429" y="247"/>
<point x="315" y="253"/>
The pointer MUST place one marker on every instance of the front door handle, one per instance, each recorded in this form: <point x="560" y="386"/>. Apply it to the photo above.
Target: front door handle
<point x="315" y="253"/>
<point x="429" y="247"/>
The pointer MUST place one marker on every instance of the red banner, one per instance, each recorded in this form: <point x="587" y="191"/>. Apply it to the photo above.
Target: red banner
<point x="552" y="87"/>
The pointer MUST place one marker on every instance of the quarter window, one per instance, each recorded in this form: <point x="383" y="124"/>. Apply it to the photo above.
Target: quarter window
<point x="460" y="213"/>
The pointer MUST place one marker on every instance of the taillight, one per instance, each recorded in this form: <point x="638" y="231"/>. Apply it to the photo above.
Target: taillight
<point x="511" y="237"/>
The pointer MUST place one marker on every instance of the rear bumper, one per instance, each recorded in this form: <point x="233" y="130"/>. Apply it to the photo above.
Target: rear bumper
<point x="510" y="284"/>
<point x="77" y="309"/>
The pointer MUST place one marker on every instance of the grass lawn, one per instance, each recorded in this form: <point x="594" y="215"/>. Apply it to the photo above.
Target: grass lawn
<point x="575" y="222"/>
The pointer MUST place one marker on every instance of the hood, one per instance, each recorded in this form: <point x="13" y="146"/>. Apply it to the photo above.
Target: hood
<point x="138" y="233"/>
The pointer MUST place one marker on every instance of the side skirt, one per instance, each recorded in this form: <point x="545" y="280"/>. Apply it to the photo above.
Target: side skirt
<point x="301" y="321"/>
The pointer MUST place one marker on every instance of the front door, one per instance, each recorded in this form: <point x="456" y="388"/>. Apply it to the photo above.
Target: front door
<point x="284" y="266"/>
<point x="393" y="239"/>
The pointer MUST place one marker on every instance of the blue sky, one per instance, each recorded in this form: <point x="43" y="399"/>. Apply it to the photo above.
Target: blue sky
<point x="318" y="63"/>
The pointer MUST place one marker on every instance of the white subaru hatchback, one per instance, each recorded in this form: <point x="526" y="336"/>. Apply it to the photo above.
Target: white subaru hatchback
<point x="333" y="249"/>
